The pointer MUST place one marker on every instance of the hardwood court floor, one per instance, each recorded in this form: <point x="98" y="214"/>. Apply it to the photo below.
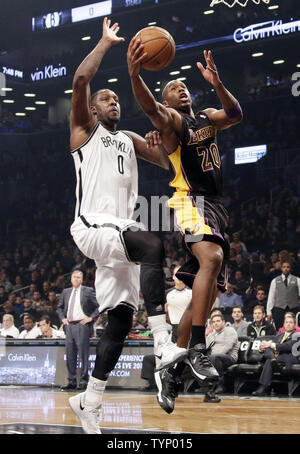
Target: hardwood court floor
<point x="135" y="412"/>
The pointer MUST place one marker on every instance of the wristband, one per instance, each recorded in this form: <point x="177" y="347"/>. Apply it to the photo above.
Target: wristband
<point x="234" y="112"/>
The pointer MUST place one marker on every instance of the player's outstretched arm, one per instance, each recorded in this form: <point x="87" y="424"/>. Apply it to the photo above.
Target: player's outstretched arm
<point x="150" y="149"/>
<point x="165" y="120"/>
<point x="231" y="114"/>
<point x="81" y="114"/>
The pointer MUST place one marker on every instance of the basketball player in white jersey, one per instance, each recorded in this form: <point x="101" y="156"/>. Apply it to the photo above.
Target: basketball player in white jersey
<point x="106" y="191"/>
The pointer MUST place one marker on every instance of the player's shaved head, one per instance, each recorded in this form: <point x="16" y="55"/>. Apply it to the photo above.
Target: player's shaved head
<point x="168" y="86"/>
<point x="177" y="96"/>
<point x="105" y="105"/>
<point x="166" y="89"/>
<point x="95" y="95"/>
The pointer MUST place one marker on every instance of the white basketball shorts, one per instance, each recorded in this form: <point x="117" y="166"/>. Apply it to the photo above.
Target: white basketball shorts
<point x="100" y="237"/>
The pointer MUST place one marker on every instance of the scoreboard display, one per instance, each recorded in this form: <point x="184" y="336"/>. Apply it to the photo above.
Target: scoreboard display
<point x="56" y="19"/>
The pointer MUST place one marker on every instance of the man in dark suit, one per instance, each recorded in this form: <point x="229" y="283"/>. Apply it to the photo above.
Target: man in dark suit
<point x="277" y="353"/>
<point x="77" y="309"/>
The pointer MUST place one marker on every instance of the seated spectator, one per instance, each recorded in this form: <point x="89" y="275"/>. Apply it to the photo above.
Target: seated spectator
<point x="53" y="275"/>
<point x="4" y="281"/>
<point x="8" y="308"/>
<point x="45" y="290"/>
<point x="32" y="289"/>
<point x="59" y="284"/>
<point x="239" y="324"/>
<point x="47" y="331"/>
<point x="240" y="285"/>
<point x="277" y="353"/>
<point x="229" y="298"/>
<point x="18" y="306"/>
<point x="12" y="298"/>
<point x="49" y="304"/>
<point x="8" y="327"/>
<point x="242" y="265"/>
<point x="28" y="310"/>
<point x="43" y="276"/>
<point x="37" y="301"/>
<point x="18" y="283"/>
<point x="209" y="329"/>
<point x="46" y="309"/>
<point x="52" y="300"/>
<point x="260" y="326"/>
<point x="237" y="243"/>
<point x="297" y="328"/>
<point x="260" y="299"/>
<point x="36" y="279"/>
<point x="31" y="330"/>
<point x="223" y="345"/>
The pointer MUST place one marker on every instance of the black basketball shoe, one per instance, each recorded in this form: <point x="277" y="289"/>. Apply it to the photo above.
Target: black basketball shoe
<point x="168" y="388"/>
<point x="200" y="364"/>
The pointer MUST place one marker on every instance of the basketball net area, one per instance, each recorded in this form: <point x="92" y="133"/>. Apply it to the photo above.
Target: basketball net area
<point x="232" y="3"/>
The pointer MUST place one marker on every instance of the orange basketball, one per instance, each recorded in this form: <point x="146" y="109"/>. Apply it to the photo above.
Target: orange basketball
<point x="159" y="45"/>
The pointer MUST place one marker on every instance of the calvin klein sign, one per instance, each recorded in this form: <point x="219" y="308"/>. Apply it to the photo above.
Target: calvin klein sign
<point x="48" y="72"/>
<point x="265" y="30"/>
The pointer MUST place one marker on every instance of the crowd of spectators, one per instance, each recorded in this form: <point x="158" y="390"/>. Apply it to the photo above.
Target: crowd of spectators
<point x="36" y="246"/>
<point x="34" y="274"/>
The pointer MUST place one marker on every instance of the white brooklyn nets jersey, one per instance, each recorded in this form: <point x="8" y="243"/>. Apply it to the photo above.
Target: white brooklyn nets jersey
<point x="106" y="171"/>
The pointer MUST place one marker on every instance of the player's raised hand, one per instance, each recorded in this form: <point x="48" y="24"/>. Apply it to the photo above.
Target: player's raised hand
<point x="210" y="72"/>
<point x="109" y="33"/>
<point x="135" y="55"/>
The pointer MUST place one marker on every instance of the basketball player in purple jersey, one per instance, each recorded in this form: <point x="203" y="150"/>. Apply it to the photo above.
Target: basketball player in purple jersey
<point x="191" y="144"/>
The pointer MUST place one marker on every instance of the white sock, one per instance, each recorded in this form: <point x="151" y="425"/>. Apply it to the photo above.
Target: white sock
<point x="159" y="329"/>
<point x="94" y="392"/>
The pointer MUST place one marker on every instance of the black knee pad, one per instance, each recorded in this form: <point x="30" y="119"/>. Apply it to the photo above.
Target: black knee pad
<point x="153" y="288"/>
<point x="111" y="343"/>
<point x="119" y="322"/>
<point x="118" y="326"/>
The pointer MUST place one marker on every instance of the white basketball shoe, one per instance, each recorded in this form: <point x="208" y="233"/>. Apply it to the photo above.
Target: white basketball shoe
<point x="167" y="354"/>
<point x="89" y="417"/>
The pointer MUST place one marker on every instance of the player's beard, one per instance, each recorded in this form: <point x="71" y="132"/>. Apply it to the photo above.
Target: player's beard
<point x="110" y="121"/>
<point x="113" y="119"/>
